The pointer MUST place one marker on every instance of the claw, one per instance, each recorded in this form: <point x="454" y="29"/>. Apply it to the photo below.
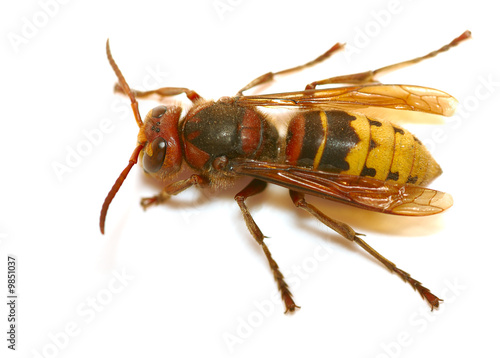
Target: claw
<point x="147" y="202"/>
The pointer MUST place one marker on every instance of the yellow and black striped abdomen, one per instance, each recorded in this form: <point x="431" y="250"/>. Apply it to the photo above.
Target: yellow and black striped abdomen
<point x="341" y="142"/>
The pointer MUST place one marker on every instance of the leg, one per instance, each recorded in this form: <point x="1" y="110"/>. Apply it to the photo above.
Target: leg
<point x="347" y="232"/>
<point x="370" y="76"/>
<point x="256" y="187"/>
<point x="174" y="189"/>
<point x="268" y="77"/>
<point x="162" y="92"/>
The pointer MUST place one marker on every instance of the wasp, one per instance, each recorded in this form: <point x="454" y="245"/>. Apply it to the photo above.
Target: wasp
<point x="331" y="150"/>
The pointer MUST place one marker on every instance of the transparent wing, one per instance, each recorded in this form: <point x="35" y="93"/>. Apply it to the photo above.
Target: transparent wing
<point x="363" y="192"/>
<point x="401" y="97"/>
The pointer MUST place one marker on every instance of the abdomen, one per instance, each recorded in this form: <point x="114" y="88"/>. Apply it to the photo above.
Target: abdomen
<point x="341" y="142"/>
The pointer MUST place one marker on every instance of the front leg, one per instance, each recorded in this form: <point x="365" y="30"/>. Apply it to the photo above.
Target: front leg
<point x="174" y="189"/>
<point x="162" y="92"/>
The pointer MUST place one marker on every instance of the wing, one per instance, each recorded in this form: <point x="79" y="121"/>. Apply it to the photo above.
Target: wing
<point x="363" y="192"/>
<point x="401" y="97"/>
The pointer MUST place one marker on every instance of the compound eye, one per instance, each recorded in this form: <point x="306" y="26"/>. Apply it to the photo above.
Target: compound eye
<point x="158" y="111"/>
<point x="154" y="162"/>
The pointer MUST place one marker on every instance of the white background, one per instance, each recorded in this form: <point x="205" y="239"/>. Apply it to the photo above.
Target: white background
<point x="193" y="281"/>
